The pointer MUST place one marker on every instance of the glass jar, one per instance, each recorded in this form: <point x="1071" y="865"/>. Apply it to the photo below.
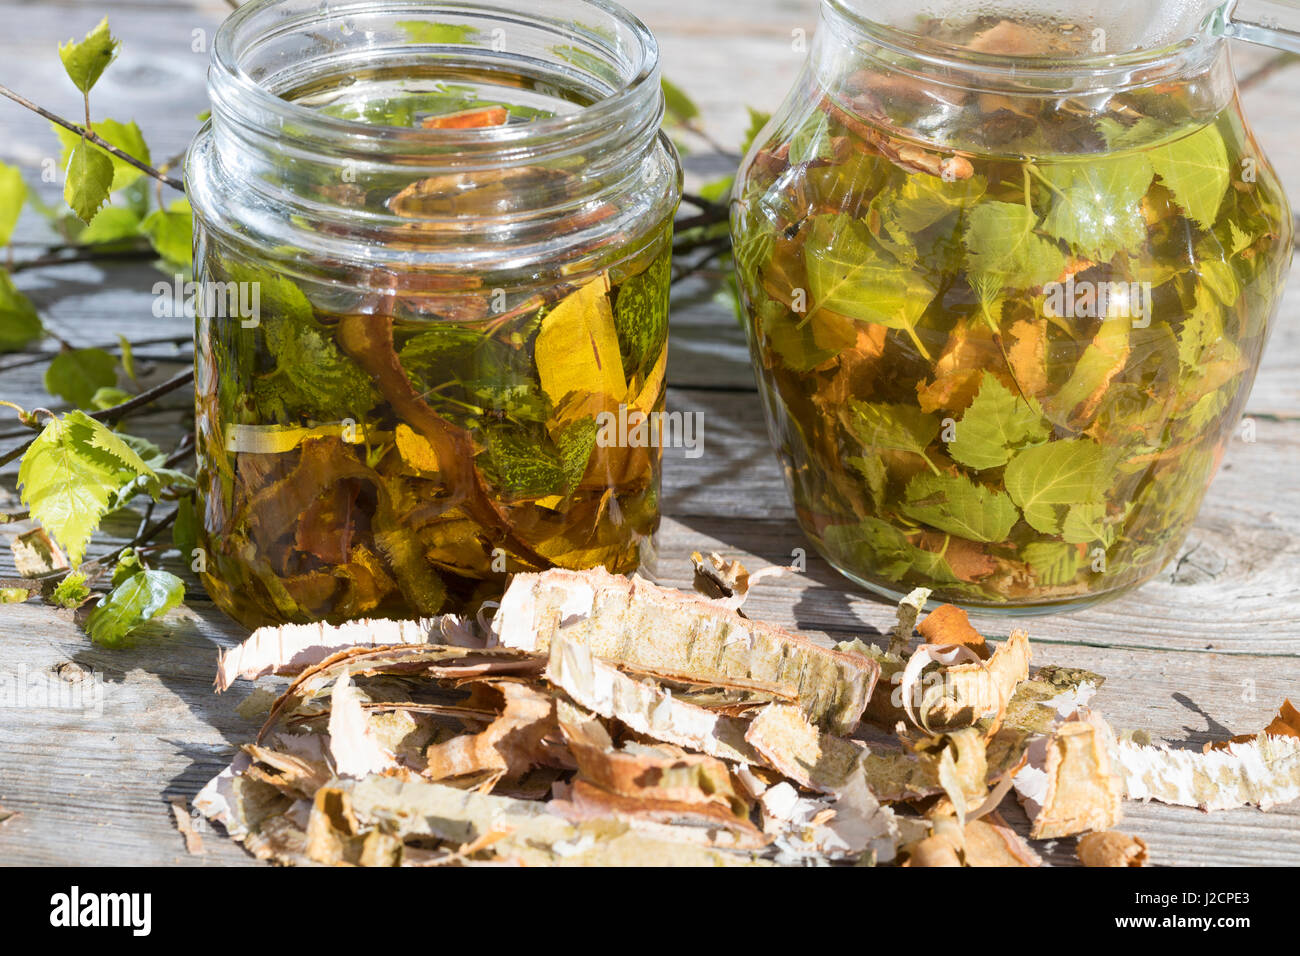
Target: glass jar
<point x="1008" y="279"/>
<point x="432" y="242"/>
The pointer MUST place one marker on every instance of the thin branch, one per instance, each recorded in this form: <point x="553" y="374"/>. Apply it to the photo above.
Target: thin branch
<point x="699" y="202"/>
<point x="183" y="451"/>
<point x="94" y="138"/>
<point x="707" y="137"/>
<point x="720" y="248"/>
<point x="95" y="565"/>
<point x="143" y="254"/>
<point x="111" y="415"/>
<point x="684" y="245"/>
<point x="712" y="217"/>
<point x="108" y="347"/>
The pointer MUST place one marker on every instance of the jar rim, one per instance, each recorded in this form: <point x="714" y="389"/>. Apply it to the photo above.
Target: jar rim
<point x="1027" y="68"/>
<point x="229" y="75"/>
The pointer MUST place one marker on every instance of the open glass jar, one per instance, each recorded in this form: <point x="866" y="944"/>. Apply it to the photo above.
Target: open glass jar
<point x="1008" y="279"/>
<point x="433" y="250"/>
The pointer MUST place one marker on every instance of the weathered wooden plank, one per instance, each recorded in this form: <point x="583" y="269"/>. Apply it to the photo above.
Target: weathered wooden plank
<point x="106" y="777"/>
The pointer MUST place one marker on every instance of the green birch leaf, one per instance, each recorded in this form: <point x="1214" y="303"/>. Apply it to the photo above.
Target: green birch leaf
<point x="1096" y="207"/>
<point x="1002" y="247"/>
<point x="72" y="591"/>
<point x="185" y="530"/>
<point x="795" y="342"/>
<point x="13" y="194"/>
<point x="757" y="121"/>
<point x="1205" y="410"/>
<point x="89" y="180"/>
<point x="876" y="475"/>
<point x="113" y="224"/>
<point x="86" y="61"/>
<point x="892" y="427"/>
<point x="427" y="31"/>
<point x="19" y="323"/>
<point x="1201" y="330"/>
<point x="521" y="466"/>
<point x="1119" y="137"/>
<point x="812" y="141"/>
<point x="882" y="548"/>
<point x="576" y="443"/>
<point x="171" y="232"/>
<point x="873" y="544"/>
<point x="313" y="379"/>
<point x="71" y="475"/>
<point x="997" y="422"/>
<point x="680" y="108"/>
<point x="1195" y="169"/>
<point x="924" y="201"/>
<point x="1100" y="362"/>
<point x="140" y="598"/>
<point x="76" y="375"/>
<point x="125" y="136"/>
<point x="850" y="274"/>
<point x="1053" y="562"/>
<point x="1045" y="478"/>
<point x="641" y="316"/>
<point x="959" y="506"/>
<point x="127" y="356"/>
<point x="108" y="397"/>
<point x="754" y="250"/>
<point x="128" y="564"/>
<point x="1086" y="524"/>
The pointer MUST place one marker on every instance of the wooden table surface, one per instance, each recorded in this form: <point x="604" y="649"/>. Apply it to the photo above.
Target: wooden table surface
<point x="1209" y="648"/>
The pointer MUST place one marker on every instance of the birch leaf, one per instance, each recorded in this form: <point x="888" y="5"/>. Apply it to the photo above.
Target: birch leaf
<point x="71" y="475"/>
<point x="997" y="422"/>
<point x="171" y="232"/>
<point x="76" y="375"/>
<point x="849" y="274"/>
<point x="959" y="506"/>
<point x="1003" y="246"/>
<point x="1195" y="169"/>
<point x="19" y="323"/>
<point x="86" y="61"/>
<point x="577" y="348"/>
<point x="125" y="136"/>
<point x="89" y="180"/>
<point x="1056" y="474"/>
<point x="13" y="193"/>
<point x="1103" y="359"/>
<point x="1096" y="207"/>
<point x="889" y="427"/>
<point x="142" y="597"/>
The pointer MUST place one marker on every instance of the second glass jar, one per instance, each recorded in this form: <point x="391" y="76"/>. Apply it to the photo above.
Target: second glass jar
<point x="1006" y="294"/>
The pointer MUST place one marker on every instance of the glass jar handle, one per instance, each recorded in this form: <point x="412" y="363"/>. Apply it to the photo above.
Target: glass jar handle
<point x="1274" y="23"/>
